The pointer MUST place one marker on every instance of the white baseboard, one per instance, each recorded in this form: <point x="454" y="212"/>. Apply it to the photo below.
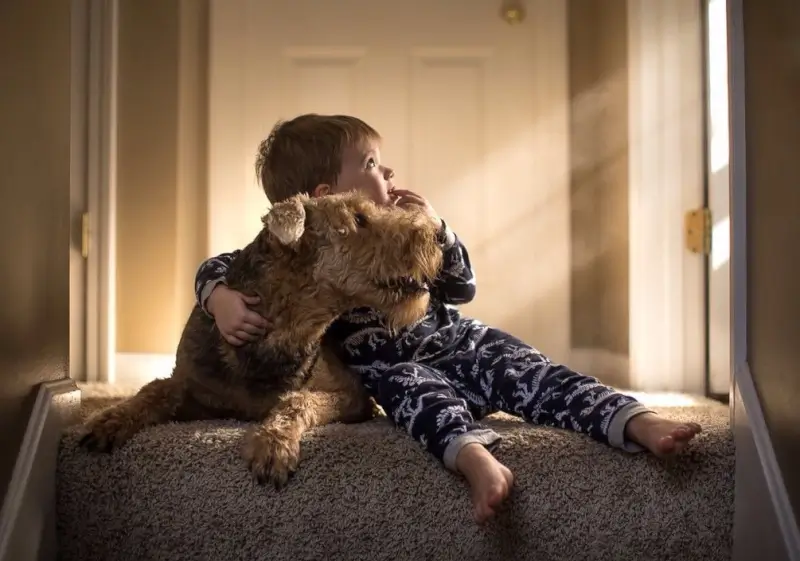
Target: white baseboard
<point x="610" y="368"/>
<point x="137" y="369"/>
<point x="27" y="519"/>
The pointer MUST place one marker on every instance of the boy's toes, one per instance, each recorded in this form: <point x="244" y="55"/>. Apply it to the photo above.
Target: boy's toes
<point x="667" y="445"/>
<point x="482" y="513"/>
<point x="686" y="432"/>
<point x="695" y="428"/>
<point x="681" y="433"/>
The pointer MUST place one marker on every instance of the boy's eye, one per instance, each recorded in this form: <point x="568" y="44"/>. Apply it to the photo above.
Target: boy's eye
<point x="371" y="163"/>
<point x="361" y="220"/>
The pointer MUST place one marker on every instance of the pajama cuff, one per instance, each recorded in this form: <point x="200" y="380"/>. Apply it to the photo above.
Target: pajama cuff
<point x="448" y="237"/>
<point x="486" y="437"/>
<point x="206" y="292"/>
<point x="616" y="430"/>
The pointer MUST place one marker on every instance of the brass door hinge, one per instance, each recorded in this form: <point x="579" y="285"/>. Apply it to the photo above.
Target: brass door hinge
<point x="697" y="230"/>
<point x="85" y="235"/>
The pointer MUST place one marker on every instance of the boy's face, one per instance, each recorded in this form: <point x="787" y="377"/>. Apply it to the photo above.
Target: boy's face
<point x="362" y="171"/>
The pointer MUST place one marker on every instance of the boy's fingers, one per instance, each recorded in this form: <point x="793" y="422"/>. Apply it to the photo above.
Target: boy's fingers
<point x="409" y="195"/>
<point x="405" y="201"/>
<point x="245" y="336"/>
<point x="252" y="329"/>
<point x="251" y="300"/>
<point x="411" y="199"/>
<point x="254" y="318"/>
<point x="233" y="340"/>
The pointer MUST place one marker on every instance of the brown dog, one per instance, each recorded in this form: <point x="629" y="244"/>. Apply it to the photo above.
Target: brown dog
<point x="314" y="260"/>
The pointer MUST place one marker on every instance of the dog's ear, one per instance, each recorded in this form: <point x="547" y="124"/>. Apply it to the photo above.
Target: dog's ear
<point x="286" y="220"/>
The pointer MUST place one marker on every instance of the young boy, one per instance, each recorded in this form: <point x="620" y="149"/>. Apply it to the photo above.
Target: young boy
<point x="437" y="377"/>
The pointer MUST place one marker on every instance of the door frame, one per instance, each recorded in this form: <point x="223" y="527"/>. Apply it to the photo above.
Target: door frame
<point x="101" y="186"/>
<point x="718" y="186"/>
<point x="79" y="68"/>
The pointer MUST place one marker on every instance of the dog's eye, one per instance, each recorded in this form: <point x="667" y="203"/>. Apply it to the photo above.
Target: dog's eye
<point x="361" y="220"/>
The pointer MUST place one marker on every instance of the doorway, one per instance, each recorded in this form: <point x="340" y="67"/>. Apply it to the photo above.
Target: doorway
<point x="92" y="190"/>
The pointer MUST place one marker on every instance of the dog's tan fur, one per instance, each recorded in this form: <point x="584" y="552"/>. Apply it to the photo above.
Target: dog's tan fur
<point x="313" y="260"/>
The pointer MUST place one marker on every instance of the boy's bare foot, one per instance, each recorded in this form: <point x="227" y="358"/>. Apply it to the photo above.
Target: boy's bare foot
<point x="489" y="480"/>
<point x="661" y="436"/>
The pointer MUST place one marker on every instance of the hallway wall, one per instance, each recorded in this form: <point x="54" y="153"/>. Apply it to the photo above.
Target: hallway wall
<point x="35" y="67"/>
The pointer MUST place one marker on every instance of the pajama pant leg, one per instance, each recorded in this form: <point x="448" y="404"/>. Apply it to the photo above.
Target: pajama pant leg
<point x="419" y="400"/>
<point x="517" y="379"/>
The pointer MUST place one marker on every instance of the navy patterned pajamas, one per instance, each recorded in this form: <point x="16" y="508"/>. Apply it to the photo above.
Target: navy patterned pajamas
<point x="438" y="378"/>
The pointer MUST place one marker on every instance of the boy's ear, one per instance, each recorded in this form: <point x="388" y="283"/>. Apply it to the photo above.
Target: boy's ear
<point x="286" y="219"/>
<point x="321" y="190"/>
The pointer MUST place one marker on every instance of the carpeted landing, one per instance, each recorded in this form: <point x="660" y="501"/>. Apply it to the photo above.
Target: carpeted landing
<point x="368" y="492"/>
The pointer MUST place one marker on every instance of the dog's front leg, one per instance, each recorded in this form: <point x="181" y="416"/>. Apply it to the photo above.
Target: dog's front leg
<point x="157" y="402"/>
<point x="272" y="450"/>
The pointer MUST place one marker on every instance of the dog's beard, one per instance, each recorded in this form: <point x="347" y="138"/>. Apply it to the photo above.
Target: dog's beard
<point x="407" y="312"/>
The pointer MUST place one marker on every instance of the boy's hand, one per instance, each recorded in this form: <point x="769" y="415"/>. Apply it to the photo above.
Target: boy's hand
<point x="406" y="198"/>
<point x="236" y="322"/>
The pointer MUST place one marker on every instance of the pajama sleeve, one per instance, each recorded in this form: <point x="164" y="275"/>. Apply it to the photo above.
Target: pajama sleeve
<point x="211" y="273"/>
<point x="456" y="282"/>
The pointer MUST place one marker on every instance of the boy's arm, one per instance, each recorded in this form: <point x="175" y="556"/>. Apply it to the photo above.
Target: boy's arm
<point x="456" y="281"/>
<point x="211" y="273"/>
<point x="237" y="322"/>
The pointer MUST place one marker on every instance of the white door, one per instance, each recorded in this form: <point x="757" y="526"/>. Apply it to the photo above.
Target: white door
<point x="473" y="112"/>
<point x="719" y="282"/>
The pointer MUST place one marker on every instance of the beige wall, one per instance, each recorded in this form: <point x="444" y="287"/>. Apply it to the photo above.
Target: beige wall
<point x="161" y="190"/>
<point x="35" y="215"/>
<point x="599" y="184"/>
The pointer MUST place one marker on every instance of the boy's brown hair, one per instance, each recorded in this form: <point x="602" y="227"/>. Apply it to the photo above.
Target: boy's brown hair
<point x="306" y="151"/>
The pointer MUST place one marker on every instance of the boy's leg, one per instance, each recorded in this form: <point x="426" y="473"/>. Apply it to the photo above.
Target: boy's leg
<point x="517" y="379"/>
<point x="421" y="401"/>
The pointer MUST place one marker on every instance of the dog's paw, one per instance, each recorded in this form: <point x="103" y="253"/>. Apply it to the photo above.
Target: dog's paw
<point x="272" y="456"/>
<point x="376" y="411"/>
<point x="107" y="431"/>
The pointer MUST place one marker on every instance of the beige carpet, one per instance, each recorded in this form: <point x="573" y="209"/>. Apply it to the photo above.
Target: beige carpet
<point x="368" y="492"/>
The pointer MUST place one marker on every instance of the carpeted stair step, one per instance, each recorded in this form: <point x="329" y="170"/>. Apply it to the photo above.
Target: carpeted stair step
<point x="368" y="492"/>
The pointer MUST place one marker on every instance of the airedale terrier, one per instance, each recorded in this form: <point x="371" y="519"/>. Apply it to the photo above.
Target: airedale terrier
<point x="313" y="260"/>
